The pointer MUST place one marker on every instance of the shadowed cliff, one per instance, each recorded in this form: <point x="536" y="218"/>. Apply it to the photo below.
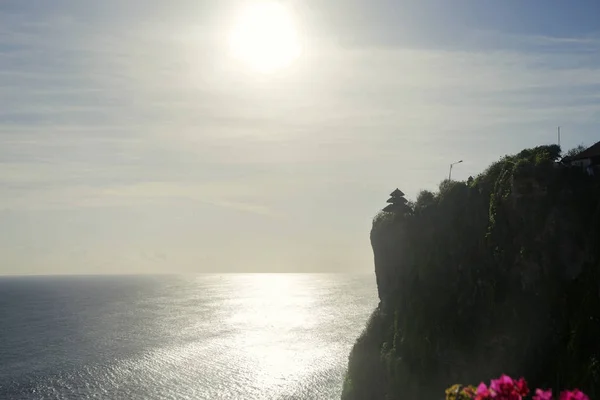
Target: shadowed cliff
<point x="499" y="274"/>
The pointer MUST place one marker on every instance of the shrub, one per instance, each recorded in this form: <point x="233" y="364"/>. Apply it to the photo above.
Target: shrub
<point x="507" y="388"/>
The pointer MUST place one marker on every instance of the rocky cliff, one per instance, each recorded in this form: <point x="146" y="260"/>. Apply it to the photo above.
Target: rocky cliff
<point x="499" y="274"/>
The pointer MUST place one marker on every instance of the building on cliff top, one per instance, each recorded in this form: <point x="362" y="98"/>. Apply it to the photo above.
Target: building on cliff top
<point x="588" y="159"/>
<point x="398" y="203"/>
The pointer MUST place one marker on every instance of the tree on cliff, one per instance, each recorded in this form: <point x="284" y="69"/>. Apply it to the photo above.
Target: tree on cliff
<point x="574" y="151"/>
<point x="501" y="275"/>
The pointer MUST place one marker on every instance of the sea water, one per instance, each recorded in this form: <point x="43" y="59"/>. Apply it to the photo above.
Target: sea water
<point x="229" y="336"/>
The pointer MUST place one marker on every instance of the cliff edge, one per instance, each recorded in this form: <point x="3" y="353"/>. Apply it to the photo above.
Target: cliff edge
<point x="499" y="274"/>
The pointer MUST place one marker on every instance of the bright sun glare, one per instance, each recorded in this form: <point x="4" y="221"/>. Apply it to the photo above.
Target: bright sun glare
<point x="264" y="37"/>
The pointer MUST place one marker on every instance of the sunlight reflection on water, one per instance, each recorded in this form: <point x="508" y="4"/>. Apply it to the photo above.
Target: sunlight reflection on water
<point x="235" y="336"/>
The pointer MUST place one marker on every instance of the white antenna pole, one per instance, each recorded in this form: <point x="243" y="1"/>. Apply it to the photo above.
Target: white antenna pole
<point x="559" y="135"/>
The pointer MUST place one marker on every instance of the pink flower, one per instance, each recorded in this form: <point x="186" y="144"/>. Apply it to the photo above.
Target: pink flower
<point x="543" y="394"/>
<point x="503" y="385"/>
<point x="505" y="388"/>
<point x="522" y="388"/>
<point x="573" y="395"/>
<point x="483" y="392"/>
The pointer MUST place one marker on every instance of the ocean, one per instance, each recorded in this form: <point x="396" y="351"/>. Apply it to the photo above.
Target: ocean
<point x="226" y="336"/>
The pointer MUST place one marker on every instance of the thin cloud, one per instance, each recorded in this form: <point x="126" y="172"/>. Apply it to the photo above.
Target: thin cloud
<point x="42" y="197"/>
<point x="97" y="117"/>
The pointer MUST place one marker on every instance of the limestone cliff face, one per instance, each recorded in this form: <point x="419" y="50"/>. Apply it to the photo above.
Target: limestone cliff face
<point x="500" y="275"/>
<point x="389" y="245"/>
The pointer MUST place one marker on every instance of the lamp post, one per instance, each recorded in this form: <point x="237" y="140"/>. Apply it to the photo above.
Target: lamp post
<point x="451" y="165"/>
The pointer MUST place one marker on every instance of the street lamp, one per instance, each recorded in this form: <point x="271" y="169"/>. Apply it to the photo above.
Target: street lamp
<point x="451" y="165"/>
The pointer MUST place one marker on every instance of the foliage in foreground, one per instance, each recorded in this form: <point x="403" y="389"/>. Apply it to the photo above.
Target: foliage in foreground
<point x="507" y="388"/>
<point x="497" y="274"/>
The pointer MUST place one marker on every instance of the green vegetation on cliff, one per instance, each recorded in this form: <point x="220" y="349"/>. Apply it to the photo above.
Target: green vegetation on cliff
<point x="499" y="274"/>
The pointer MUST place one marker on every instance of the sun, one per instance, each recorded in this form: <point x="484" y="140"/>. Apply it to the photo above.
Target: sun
<point x="265" y="37"/>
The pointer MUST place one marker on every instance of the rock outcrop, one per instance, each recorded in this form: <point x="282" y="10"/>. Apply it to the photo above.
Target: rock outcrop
<point x="497" y="275"/>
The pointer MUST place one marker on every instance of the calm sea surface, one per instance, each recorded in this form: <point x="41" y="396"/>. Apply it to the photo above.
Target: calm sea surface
<point x="254" y="336"/>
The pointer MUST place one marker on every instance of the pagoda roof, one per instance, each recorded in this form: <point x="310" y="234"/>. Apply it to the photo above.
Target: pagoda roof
<point x="396" y="207"/>
<point x="592" y="151"/>
<point x="397" y="193"/>
<point x="397" y="200"/>
<point x="390" y="208"/>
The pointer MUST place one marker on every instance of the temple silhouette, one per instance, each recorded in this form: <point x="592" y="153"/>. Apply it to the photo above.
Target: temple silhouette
<point x="397" y="203"/>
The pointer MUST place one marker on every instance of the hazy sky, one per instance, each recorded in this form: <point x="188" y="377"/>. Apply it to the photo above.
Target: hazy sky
<point x="131" y="141"/>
